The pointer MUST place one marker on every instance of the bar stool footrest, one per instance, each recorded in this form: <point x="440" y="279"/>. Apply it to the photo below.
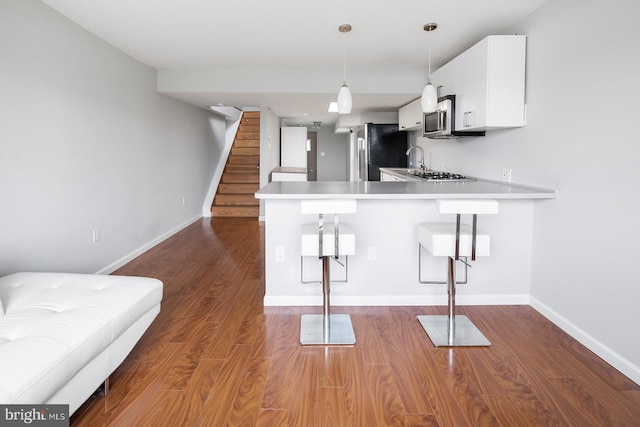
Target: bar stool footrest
<point x="340" y="330"/>
<point x="466" y="333"/>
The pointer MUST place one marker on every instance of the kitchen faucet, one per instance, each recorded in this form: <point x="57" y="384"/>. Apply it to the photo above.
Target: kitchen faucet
<point x="421" y="155"/>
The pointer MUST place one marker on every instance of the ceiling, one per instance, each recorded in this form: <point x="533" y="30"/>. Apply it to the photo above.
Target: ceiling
<point x="290" y="52"/>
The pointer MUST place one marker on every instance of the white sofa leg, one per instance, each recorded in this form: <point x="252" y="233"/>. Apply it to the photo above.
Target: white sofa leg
<point x="104" y="388"/>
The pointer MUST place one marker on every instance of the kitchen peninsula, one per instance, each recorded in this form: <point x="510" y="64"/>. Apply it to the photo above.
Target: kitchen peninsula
<point x="384" y="270"/>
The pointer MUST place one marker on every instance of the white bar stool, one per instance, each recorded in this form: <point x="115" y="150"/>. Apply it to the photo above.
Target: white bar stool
<point x="326" y="241"/>
<point x="455" y="241"/>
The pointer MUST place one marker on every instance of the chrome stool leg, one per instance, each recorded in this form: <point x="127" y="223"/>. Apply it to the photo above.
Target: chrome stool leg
<point x="452" y="330"/>
<point x="326" y="302"/>
<point x="326" y="328"/>
<point x="451" y="322"/>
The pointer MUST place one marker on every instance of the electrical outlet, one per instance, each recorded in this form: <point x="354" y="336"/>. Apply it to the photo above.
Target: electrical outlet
<point x="371" y="252"/>
<point x="96" y="235"/>
<point x="279" y="253"/>
<point x="506" y="175"/>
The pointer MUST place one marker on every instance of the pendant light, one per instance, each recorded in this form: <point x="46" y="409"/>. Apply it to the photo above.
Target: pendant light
<point x="429" y="100"/>
<point x="345" y="101"/>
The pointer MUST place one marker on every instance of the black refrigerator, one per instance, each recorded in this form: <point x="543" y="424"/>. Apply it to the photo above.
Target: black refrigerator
<point x="378" y="146"/>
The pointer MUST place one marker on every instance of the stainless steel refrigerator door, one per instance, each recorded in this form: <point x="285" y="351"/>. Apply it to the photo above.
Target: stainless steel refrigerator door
<point x="363" y="162"/>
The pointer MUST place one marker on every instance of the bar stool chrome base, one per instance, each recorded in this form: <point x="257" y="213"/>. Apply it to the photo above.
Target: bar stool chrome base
<point x="452" y="330"/>
<point x="326" y="242"/>
<point x="466" y="334"/>
<point x="338" y="331"/>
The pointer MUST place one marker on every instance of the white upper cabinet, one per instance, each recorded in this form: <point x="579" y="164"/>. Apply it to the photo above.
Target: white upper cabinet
<point x="410" y="116"/>
<point x="447" y="84"/>
<point x="488" y="81"/>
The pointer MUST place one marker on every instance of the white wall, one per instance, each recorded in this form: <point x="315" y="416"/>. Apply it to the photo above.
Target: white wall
<point x="333" y="155"/>
<point x="580" y="139"/>
<point x="269" y="147"/>
<point x="86" y="142"/>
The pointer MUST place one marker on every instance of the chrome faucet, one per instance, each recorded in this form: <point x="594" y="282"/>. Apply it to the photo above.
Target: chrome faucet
<point x="421" y="155"/>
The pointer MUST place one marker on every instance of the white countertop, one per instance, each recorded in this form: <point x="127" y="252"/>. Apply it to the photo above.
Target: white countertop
<point x="289" y="169"/>
<point x="480" y="189"/>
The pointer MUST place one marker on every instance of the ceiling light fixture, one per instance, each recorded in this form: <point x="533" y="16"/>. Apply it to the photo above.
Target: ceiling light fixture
<point x="429" y="100"/>
<point x="345" y="101"/>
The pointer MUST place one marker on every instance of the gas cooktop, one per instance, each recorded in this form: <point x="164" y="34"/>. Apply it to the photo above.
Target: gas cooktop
<point x="440" y="176"/>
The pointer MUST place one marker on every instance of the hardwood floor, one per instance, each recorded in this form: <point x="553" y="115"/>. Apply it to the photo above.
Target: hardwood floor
<point x="215" y="357"/>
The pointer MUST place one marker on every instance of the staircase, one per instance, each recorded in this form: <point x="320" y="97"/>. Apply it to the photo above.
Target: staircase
<point x="241" y="176"/>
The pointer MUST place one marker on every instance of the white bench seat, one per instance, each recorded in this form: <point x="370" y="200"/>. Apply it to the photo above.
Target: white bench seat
<point x="63" y="334"/>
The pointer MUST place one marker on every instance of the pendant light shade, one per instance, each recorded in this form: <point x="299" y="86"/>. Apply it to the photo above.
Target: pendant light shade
<point x="345" y="101"/>
<point x="429" y="100"/>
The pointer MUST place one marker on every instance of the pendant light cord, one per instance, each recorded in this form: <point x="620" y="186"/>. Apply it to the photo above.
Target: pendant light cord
<point x="429" y="28"/>
<point x="429" y="75"/>
<point x="345" y="65"/>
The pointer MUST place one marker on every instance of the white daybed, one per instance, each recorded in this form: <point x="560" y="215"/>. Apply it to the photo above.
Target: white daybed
<point x="62" y="335"/>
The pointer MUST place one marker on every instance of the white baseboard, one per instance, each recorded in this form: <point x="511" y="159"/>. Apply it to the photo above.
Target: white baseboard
<point x="129" y="257"/>
<point x="392" y="300"/>
<point x="622" y="364"/>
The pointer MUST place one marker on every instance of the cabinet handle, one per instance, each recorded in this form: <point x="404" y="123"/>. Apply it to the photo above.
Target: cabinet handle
<point x="418" y="123"/>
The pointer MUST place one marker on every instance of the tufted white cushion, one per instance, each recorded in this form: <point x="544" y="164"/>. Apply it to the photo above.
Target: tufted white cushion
<point x="55" y="323"/>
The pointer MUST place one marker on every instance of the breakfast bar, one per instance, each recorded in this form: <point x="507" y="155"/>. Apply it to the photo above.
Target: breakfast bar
<point x="384" y="269"/>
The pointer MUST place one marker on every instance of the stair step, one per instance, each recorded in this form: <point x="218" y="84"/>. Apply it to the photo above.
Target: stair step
<point x="245" y="151"/>
<point x="254" y="143"/>
<point x="241" y="176"/>
<point x="253" y="160"/>
<point x="249" y="125"/>
<point x="236" y="211"/>
<point x="245" y="178"/>
<point x="235" y="200"/>
<point x="238" y="188"/>
<point x="241" y="167"/>
<point x="252" y="134"/>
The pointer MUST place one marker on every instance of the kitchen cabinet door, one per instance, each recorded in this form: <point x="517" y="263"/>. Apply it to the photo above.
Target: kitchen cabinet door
<point x="447" y="79"/>
<point x="471" y="87"/>
<point x="410" y="116"/>
<point x="489" y="84"/>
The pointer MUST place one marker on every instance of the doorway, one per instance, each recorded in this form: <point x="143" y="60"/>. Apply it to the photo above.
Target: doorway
<point x="312" y="156"/>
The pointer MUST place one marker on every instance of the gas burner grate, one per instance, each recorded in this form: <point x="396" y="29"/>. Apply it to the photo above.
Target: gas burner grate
<point x="441" y="176"/>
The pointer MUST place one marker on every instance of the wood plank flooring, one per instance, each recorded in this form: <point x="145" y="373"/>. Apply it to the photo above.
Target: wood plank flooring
<point x="216" y="357"/>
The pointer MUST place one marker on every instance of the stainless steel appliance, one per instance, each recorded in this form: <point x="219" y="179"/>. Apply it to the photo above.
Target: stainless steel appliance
<point x="375" y="146"/>
<point x="441" y="124"/>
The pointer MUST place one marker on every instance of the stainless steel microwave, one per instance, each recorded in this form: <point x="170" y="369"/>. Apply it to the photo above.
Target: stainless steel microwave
<point x="441" y="124"/>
